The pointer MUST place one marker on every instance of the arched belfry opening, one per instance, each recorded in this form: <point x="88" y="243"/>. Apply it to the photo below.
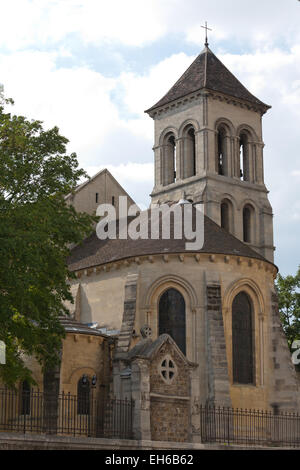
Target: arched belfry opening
<point x="169" y="159"/>
<point x="172" y="317"/>
<point x="244" y="157"/>
<point x="242" y="339"/>
<point x="221" y="163"/>
<point x="189" y="156"/>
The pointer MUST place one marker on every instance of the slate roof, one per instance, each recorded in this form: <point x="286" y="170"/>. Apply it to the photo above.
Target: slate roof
<point x="93" y="251"/>
<point x="73" y="326"/>
<point x="208" y="72"/>
<point x="147" y="348"/>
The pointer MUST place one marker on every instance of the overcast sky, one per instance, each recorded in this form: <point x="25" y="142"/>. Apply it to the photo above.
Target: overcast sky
<point x="92" y="67"/>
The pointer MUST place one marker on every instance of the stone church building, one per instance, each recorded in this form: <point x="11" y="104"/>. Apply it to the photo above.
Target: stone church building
<point x="172" y="328"/>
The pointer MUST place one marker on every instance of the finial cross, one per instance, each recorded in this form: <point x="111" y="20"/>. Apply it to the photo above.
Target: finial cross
<point x="206" y="29"/>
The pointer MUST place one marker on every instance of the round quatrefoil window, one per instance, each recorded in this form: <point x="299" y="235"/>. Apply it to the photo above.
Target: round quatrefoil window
<point x="168" y="369"/>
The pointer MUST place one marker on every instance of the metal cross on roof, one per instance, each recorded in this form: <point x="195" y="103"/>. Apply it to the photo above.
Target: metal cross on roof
<point x="206" y="29"/>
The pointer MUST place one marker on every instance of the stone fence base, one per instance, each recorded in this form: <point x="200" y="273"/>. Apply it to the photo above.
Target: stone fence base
<point x="13" y="441"/>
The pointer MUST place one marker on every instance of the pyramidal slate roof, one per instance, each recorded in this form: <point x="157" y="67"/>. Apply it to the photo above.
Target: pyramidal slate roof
<point x="208" y="72"/>
<point x="95" y="252"/>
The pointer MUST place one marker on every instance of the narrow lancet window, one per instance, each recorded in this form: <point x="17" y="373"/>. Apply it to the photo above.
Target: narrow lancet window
<point x="171" y="317"/>
<point x="225" y="216"/>
<point x="242" y="340"/>
<point x="247" y="224"/>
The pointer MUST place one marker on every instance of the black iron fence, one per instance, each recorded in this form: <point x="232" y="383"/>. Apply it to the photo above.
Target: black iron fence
<point x="65" y="414"/>
<point x="92" y="416"/>
<point x="249" y="427"/>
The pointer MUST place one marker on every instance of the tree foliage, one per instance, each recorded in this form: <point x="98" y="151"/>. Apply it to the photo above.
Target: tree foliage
<point x="288" y="290"/>
<point x="36" y="229"/>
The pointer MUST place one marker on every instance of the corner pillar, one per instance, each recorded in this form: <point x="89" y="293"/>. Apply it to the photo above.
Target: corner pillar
<point x="140" y="388"/>
<point x="218" y="379"/>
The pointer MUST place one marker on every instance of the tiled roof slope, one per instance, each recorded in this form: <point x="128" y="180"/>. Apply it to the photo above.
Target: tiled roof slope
<point x="94" y="252"/>
<point x="147" y="348"/>
<point x="208" y="72"/>
<point x="72" y="326"/>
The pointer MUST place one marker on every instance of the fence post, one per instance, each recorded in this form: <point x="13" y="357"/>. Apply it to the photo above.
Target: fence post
<point x="24" y="412"/>
<point x="275" y="429"/>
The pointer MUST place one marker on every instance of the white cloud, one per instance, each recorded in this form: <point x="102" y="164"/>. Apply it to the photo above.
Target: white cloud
<point x="132" y="21"/>
<point x="255" y="22"/>
<point x="27" y="22"/>
<point x="151" y="86"/>
<point x="77" y="99"/>
<point x="128" y="172"/>
<point x="136" y="22"/>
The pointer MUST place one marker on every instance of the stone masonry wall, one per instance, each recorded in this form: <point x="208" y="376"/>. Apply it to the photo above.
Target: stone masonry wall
<point x="169" y="420"/>
<point x="218" y="380"/>
<point x="129" y="312"/>
<point x="169" y="403"/>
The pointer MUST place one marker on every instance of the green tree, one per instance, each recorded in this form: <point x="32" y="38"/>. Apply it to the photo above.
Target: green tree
<point x="36" y="229"/>
<point x="288" y="289"/>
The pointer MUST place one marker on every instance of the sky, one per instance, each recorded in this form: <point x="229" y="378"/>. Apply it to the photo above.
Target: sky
<point x="91" y="67"/>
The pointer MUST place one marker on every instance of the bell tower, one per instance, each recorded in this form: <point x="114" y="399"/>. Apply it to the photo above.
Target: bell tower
<point x="209" y="148"/>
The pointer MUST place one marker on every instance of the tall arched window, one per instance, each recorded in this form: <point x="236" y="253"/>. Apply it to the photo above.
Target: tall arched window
<point x="242" y="340"/>
<point x="189" y="157"/>
<point x="244" y="157"/>
<point x="169" y="159"/>
<point x="221" y="152"/>
<point x="225" y="215"/>
<point x="171" y="317"/>
<point x="25" y="398"/>
<point x="83" y="396"/>
<point x="247" y="224"/>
